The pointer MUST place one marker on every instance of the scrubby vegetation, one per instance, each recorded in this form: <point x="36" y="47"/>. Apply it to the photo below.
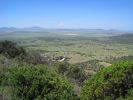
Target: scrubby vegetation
<point x="72" y="72"/>
<point x="111" y="83"/>
<point x="28" y="73"/>
<point x="28" y="81"/>
<point x="11" y="50"/>
<point x="38" y="82"/>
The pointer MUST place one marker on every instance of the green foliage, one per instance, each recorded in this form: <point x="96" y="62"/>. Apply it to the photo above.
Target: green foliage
<point x="39" y="83"/>
<point x="72" y="72"/>
<point x="78" y="74"/>
<point x="10" y="49"/>
<point x="36" y="58"/>
<point x="111" y="83"/>
<point x="118" y="59"/>
<point x="62" y="67"/>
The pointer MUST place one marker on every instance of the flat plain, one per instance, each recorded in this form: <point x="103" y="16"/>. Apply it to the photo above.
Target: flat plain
<point x="76" y="48"/>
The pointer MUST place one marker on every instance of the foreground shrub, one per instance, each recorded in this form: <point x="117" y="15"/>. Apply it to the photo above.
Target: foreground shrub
<point x="78" y="74"/>
<point x="62" y="67"/>
<point x="39" y="83"/>
<point x="111" y="83"/>
<point x="73" y="72"/>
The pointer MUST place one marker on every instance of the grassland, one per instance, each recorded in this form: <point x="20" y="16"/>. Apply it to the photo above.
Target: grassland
<point x="86" y="54"/>
<point x="77" y="49"/>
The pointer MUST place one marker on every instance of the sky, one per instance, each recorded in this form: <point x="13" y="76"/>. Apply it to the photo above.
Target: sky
<point x="91" y="14"/>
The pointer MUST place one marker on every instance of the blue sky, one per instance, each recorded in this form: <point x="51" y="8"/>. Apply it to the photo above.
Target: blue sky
<point x="93" y="14"/>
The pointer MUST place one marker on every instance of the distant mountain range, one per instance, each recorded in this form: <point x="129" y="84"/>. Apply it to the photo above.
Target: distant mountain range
<point x="11" y="29"/>
<point x="74" y="32"/>
<point x="4" y="29"/>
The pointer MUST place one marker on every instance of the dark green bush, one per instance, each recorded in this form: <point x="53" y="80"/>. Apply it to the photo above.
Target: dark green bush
<point x="111" y="83"/>
<point x="62" y="67"/>
<point x="77" y="73"/>
<point x="10" y="49"/>
<point x="72" y="72"/>
<point x="39" y="83"/>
